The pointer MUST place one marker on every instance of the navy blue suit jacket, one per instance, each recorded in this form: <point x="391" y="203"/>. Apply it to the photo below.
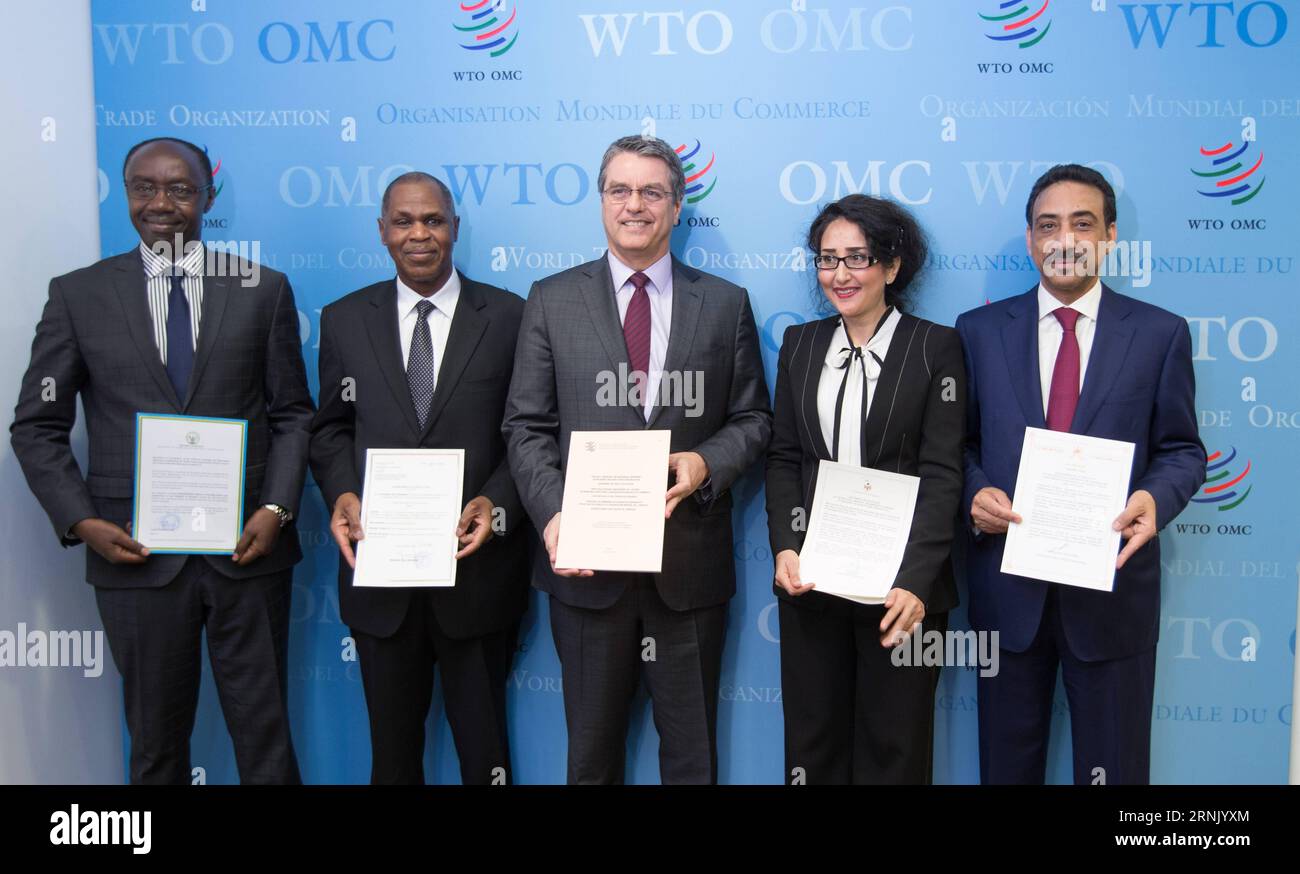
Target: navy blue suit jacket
<point x="1138" y="387"/>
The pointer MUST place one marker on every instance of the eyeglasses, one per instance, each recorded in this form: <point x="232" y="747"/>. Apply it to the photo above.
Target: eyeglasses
<point x="621" y="194"/>
<point x="854" y="261"/>
<point x="178" y="193"/>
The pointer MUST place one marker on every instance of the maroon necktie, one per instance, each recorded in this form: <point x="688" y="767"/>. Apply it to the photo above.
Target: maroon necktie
<point x="636" y="330"/>
<point x="1064" y="394"/>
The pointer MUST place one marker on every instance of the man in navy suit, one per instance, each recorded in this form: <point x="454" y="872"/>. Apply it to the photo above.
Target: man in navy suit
<point x="1073" y="355"/>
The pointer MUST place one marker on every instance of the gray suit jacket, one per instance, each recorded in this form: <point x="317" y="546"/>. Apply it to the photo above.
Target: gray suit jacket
<point x="95" y="339"/>
<point x="571" y="333"/>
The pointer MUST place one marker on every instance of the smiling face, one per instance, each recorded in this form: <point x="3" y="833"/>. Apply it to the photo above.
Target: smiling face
<point x="169" y="169"/>
<point x="420" y="229"/>
<point x="636" y="231"/>
<point x="1068" y="238"/>
<point x="857" y="295"/>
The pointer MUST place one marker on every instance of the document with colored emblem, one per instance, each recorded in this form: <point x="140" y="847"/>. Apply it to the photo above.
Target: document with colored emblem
<point x="857" y="531"/>
<point x="410" y="504"/>
<point x="189" y="483"/>
<point x="612" y="515"/>
<point x="1069" y="490"/>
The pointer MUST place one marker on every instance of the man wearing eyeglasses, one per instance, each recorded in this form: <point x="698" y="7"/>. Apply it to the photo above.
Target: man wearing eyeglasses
<point x="638" y="310"/>
<point x="171" y="327"/>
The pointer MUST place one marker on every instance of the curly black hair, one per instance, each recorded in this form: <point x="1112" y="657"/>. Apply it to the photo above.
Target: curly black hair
<point x="891" y="233"/>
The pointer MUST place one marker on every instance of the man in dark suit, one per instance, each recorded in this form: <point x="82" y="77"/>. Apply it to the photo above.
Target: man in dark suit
<point x="424" y="361"/>
<point x="638" y="310"/>
<point x="1073" y="355"/>
<point x="171" y="327"/>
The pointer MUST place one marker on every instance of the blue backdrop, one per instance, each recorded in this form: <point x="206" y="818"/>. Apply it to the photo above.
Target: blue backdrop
<point x="308" y="109"/>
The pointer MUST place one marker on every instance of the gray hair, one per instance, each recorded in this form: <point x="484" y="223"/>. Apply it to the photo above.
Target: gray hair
<point x="650" y="147"/>
<point x="419" y="176"/>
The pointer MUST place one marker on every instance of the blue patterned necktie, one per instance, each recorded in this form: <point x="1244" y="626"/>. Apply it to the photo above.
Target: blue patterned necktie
<point x="419" y="366"/>
<point x="180" y="339"/>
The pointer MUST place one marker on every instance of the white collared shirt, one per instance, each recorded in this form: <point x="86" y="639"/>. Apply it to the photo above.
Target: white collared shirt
<point x="828" y="387"/>
<point x="158" y="285"/>
<point x="439" y="318"/>
<point x="1050" y="333"/>
<point x="660" y="291"/>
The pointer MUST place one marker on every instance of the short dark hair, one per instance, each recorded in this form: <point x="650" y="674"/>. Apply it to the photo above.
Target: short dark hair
<point x="891" y="233"/>
<point x="647" y="147"/>
<point x="204" y="161"/>
<point x="1074" y="173"/>
<point x="419" y="176"/>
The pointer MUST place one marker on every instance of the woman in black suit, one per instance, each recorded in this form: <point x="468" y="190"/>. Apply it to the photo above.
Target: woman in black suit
<point x="873" y="386"/>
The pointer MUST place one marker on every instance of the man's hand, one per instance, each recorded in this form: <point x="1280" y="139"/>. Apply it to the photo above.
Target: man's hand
<point x="261" y="531"/>
<point x="904" y="613"/>
<point x="1137" y="524"/>
<point x="991" y="511"/>
<point x="787" y="573"/>
<point x="551" y="537"/>
<point x="345" y="525"/>
<point x="110" y="541"/>
<point x="690" y="470"/>
<point x="475" y="525"/>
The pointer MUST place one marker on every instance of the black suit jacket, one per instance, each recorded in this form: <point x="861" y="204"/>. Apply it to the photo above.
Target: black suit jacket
<point x="915" y="426"/>
<point x="571" y="333"/>
<point x="359" y="340"/>
<point x="95" y="338"/>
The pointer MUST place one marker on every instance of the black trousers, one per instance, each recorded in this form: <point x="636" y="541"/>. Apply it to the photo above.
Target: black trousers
<point x="851" y="715"/>
<point x="397" y="675"/>
<point x="1110" y="711"/>
<point x="154" y="635"/>
<point x="602" y="654"/>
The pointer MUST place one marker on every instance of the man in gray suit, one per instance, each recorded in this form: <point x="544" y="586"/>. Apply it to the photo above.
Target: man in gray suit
<point x="688" y="341"/>
<point x="172" y="327"/>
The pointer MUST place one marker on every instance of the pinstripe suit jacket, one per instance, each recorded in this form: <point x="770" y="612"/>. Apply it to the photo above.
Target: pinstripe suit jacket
<point x="95" y="339"/>
<point x="569" y="335"/>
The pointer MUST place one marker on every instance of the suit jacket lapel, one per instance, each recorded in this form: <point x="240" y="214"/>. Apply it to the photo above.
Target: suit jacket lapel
<point x="1110" y="343"/>
<point x="467" y="327"/>
<point x="131" y="288"/>
<point x="1020" y="342"/>
<point x="216" y="293"/>
<point x="687" y="301"/>
<point x="805" y="377"/>
<point x="891" y="376"/>
<point x="381" y="325"/>
<point x="598" y="294"/>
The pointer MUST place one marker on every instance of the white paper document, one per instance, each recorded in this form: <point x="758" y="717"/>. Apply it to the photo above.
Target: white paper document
<point x="1069" y="491"/>
<point x="410" y="504"/>
<point x="612" y="516"/>
<point x="189" y="483"/>
<point x="857" y="531"/>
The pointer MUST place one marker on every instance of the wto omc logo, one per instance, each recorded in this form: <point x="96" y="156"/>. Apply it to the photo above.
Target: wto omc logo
<point x="697" y="177"/>
<point x="1019" y="23"/>
<point x="1227" y="176"/>
<point x="1216" y="490"/>
<point x="488" y="28"/>
<point x="216" y="168"/>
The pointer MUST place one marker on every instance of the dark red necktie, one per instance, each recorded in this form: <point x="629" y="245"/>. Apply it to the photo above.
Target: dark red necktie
<point x="636" y="329"/>
<point x="1064" y="394"/>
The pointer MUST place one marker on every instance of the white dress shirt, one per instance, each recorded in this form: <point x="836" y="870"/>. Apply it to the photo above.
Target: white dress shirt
<point x="854" y="415"/>
<point x="660" y="291"/>
<point x="1050" y="333"/>
<point x="439" y="318"/>
<point x="158" y="285"/>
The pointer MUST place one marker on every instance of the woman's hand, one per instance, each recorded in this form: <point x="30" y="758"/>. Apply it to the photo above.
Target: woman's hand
<point x="787" y="573"/>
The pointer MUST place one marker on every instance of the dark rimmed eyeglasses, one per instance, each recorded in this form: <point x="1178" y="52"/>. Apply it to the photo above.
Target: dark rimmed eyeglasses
<point x="854" y="261"/>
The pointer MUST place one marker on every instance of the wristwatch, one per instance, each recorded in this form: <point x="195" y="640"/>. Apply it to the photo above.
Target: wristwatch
<point x="285" y="515"/>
